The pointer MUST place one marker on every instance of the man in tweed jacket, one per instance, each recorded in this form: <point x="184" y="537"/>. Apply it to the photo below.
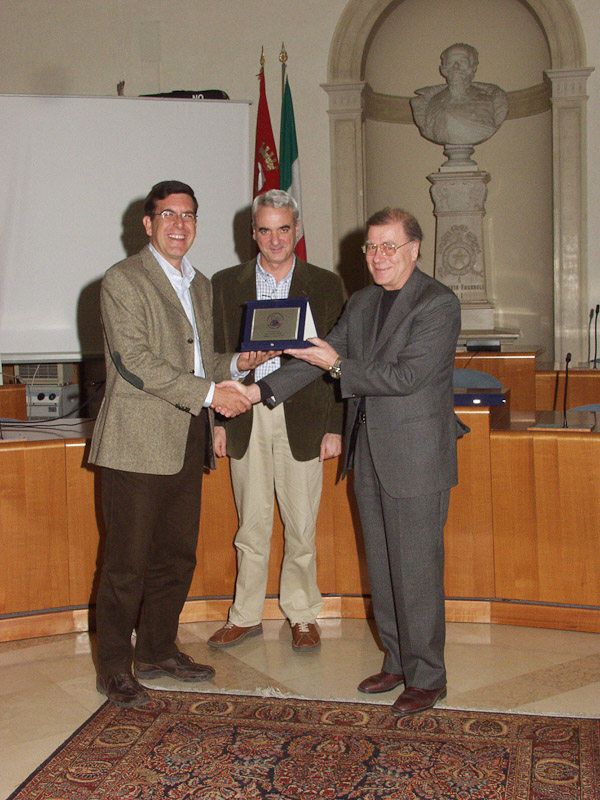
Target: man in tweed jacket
<point x="153" y="438"/>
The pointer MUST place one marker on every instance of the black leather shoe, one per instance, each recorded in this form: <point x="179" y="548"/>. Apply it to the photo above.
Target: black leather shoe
<point x="381" y="682"/>
<point x="122" y="689"/>
<point x="413" y="700"/>
<point x="180" y="666"/>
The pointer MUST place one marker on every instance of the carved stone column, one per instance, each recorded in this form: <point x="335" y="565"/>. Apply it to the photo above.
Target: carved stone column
<point x="346" y="115"/>
<point x="570" y="211"/>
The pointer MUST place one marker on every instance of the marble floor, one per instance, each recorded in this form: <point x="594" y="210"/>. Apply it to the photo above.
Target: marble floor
<point x="47" y="686"/>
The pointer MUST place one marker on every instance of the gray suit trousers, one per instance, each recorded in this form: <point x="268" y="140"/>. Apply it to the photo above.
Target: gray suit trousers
<point x="404" y="543"/>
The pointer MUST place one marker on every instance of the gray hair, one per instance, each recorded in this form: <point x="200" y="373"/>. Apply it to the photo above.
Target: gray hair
<point x="275" y="198"/>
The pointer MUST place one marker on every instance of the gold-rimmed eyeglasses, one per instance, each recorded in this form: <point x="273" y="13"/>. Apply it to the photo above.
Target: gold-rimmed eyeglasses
<point x="386" y="248"/>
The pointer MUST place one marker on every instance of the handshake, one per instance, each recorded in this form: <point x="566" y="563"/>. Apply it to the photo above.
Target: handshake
<point x="232" y="398"/>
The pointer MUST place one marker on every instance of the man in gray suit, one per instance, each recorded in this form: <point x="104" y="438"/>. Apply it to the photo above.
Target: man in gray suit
<point x="153" y="438"/>
<point x="393" y="353"/>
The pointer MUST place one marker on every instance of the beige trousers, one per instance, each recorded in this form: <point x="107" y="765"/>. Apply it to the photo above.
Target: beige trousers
<point x="268" y="468"/>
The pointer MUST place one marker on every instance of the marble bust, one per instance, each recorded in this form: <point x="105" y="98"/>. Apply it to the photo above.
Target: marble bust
<point x="462" y="112"/>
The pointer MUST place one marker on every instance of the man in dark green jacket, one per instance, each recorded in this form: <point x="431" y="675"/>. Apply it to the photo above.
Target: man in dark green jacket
<point x="281" y="451"/>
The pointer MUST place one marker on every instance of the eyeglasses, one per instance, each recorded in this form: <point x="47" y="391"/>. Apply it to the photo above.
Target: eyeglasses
<point x="386" y="249"/>
<point x="171" y="216"/>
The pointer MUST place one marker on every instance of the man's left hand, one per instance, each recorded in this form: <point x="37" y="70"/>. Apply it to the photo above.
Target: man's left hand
<point x="331" y="446"/>
<point x="321" y="355"/>
<point x="253" y="358"/>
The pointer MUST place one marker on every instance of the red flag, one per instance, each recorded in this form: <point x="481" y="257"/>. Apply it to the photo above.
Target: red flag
<point x="266" y="165"/>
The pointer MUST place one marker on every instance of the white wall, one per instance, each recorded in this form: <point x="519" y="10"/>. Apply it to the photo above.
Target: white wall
<point x="86" y="47"/>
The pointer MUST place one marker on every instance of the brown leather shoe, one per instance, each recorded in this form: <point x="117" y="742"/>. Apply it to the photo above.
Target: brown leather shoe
<point x="381" y="682"/>
<point x="122" y="689"/>
<point x="231" y="634"/>
<point x="180" y="666"/>
<point x="305" y="636"/>
<point x="413" y="700"/>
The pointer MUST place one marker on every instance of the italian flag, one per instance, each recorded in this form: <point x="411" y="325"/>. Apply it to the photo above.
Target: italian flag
<point x="289" y="163"/>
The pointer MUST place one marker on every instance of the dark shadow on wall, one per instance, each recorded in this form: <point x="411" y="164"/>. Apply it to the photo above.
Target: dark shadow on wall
<point x="351" y="266"/>
<point x="133" y="235"/>
<point x="242" y="235"/>
<point x="89" y="327"/>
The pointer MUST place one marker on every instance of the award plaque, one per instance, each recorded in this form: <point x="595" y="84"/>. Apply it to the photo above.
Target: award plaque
<point x="278" y="324"/>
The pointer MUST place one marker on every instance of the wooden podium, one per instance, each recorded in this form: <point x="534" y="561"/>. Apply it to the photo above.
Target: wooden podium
<point x="13" y="401"/>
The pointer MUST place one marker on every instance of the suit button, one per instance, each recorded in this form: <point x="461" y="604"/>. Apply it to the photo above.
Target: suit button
<point x="190" y="341"/>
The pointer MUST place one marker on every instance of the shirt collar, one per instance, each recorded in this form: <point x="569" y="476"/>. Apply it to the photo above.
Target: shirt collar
<point x="187" y="274"/>
<point x="266" y="274"/>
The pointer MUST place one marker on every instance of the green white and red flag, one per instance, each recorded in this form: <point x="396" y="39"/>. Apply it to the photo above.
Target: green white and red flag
<point x="289" y="162"/>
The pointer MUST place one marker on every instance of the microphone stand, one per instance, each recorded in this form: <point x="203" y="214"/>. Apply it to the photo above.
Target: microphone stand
<point x="567" y="361"/>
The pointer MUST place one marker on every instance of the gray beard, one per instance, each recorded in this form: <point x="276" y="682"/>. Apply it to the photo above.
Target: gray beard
<point x="458" y="83"/>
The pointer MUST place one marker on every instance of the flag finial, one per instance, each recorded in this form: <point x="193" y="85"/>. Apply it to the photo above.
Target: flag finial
<point x="283" y="56"/>
<point x="262" y="56"/>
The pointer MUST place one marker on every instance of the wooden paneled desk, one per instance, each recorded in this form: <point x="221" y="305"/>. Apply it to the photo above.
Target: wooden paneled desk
<point x="521" y="539"/>
<point x="583" y="387"/>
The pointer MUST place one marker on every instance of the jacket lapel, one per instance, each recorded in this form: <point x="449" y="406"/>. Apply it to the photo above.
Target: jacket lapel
<point x="160" y="280"/>
<point x="400" y="309"/>
<point x="301" y="281"/>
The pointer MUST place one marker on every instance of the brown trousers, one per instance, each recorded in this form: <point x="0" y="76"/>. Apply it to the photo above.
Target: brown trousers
<point x="150" y="555"/>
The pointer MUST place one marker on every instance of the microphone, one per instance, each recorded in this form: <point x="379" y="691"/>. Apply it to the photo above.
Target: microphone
<point x="596" y="337"/>
<point x="589" y="358"/>
<point x="567" y="362"/>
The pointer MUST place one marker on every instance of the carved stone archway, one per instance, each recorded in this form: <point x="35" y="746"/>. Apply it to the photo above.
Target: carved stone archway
<point x="351" y="100"/>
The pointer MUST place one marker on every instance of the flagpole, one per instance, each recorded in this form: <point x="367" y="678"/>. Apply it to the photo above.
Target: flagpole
<point x="283" y="57"/>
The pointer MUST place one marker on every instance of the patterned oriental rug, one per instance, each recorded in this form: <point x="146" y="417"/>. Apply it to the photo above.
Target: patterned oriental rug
<point x="212" y="746"/>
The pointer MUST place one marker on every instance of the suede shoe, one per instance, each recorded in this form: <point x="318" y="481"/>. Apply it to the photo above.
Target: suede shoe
<point x="231" y="634"/>
<point x="180" y="666"/>
<point x="305" y="636"/>
<point x="381" y="682"/>
<point x="413" y="700"/>
<point x="122" y="689"/>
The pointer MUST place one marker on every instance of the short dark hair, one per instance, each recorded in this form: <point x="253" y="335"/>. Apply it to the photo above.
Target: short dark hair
<point x="163" y="189"/>
<point x="388" y="216"/>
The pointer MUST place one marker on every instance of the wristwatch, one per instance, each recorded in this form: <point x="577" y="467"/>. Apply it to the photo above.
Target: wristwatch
<point x="336" y="369"/>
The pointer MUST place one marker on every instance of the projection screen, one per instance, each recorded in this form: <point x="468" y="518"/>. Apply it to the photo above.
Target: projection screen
<point x="75" y="170"/>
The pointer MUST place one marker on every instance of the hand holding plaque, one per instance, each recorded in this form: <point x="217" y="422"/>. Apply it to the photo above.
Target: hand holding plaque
<point x="278" y="324"/>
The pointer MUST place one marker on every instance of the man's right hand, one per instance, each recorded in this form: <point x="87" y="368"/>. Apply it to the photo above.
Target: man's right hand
<point x="253" y="393"/>
<point x="220" y="441"/>
<point x="230" y="399"/>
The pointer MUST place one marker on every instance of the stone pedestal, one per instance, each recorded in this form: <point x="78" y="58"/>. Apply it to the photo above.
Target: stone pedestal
<point x="459" y="208"/>
<point x="459" y="199"/>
